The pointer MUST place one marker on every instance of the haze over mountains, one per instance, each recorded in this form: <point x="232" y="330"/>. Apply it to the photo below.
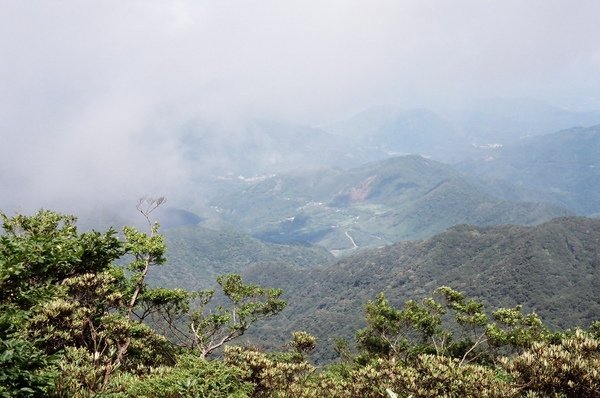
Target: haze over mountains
<point x="179" y="93"/>
<point x="254" y="147"/>
<point x="451" y="135"/>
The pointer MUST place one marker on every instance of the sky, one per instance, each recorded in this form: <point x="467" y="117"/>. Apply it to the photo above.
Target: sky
<point x="94" y="94"/>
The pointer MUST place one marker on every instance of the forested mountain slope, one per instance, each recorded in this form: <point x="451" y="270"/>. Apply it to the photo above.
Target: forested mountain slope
<point x="561" y="168"/>
<point x="379" y="203"/>
<point x="552" y="269"/>
<point x="197" y="255"/>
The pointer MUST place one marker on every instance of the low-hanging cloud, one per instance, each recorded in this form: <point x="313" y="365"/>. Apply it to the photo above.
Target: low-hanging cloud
<point x="96" y="96"/>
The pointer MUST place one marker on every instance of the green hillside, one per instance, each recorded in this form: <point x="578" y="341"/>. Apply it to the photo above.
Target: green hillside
<point x="197" y="255"/>
<point x="561" y="168"/>
<point x="379" y="203"/>
<point x="552" y="269"/>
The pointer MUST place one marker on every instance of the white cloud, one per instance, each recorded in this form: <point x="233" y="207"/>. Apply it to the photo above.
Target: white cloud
<point x="84" y="83"/>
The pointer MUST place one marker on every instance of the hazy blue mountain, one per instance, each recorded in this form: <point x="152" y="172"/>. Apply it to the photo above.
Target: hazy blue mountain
<point x="253" y="148"/>
<point x="388" y="131"/>
<point x="507" y="120"/>
<point x="561" y="168"/>
<point x="451" y="135"/>
<point x="382" y="202"/>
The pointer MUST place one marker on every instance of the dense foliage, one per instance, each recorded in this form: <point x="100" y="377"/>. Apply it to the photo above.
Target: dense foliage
<point x="78" y="319"/>
<point x="75" y="324"/>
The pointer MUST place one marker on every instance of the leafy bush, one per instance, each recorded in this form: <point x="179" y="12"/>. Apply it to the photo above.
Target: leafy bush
<point x="192" y="377"/>
<point x="570" y="368"/>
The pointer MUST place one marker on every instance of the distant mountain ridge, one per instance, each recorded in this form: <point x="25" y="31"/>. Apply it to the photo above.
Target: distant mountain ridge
<point x="453" y="135"/>
<point x="392" y="132"/>
<point x="509" y="120"/>
<point x="561" y="168"/>
<point x="249" y="147"/>
<point x="382" y="202"/>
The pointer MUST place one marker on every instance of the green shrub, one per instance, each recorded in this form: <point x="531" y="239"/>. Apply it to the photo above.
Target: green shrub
<point x="569" y="369"/>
